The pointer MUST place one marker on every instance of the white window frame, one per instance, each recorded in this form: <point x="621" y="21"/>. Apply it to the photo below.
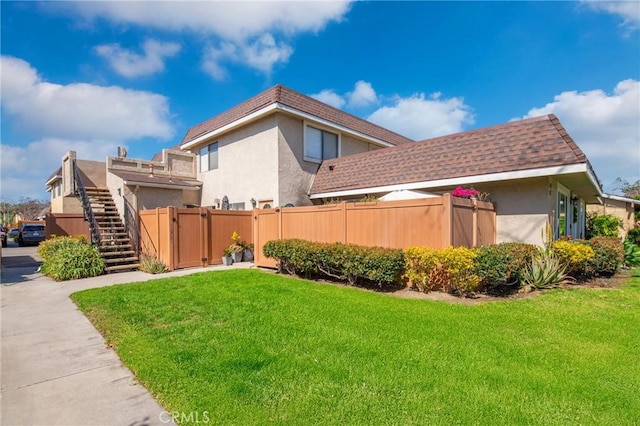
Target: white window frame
<point x="201" y="157"/>
<point x="564" y="192"/>
<point x="322" y="129"/>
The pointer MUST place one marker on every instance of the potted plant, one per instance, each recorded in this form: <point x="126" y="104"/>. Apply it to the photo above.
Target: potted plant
<point x="227" y="260"/>
<point x="247" y="254"/>
<point x="237" y="247"/>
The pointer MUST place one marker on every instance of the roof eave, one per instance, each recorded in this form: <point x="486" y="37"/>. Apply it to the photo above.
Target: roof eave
<point x="161" y="185"/>
<point x="467" y="180"/>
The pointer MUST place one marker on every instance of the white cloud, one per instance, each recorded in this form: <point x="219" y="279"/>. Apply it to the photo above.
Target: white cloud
<point x="261" y="55"/>
<point x="26" y="168"/>
<point x="419" y="117"/>
<point x="362" y="96"/>
<point x="629" y="11"/>
<point x="92" y="120"/>
<point x="605" y="126"/>
<point x="131" y="64"/>
<point x="251" y="27"/>
<point x="79" y="110"/>
<point x="330" y="97"/>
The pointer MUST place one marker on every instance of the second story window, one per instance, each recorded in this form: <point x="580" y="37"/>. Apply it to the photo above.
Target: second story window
<point x="209" y="157"/>
<point x="319" y="144"/>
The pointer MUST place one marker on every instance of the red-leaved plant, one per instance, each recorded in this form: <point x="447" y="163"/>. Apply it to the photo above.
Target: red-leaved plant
<point x="465" y="193"/>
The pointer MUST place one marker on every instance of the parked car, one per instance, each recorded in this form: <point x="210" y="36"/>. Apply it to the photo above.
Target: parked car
<point x="3" y="236"/>
<point x="13" y="233"/>
<point x="31" y="233"/>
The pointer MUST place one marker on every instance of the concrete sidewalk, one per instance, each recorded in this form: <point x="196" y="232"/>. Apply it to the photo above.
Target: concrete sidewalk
<point x="56" y="368"/>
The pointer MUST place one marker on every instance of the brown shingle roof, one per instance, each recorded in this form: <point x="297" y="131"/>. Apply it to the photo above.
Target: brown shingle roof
<point x="54" y="174"/>
<point x="291" y="98"/>
<point x="156" y="179"/>
<point x="520" y="145"/>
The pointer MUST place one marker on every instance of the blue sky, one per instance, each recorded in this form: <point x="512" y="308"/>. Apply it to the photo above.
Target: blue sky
<point x="92" y="76"/>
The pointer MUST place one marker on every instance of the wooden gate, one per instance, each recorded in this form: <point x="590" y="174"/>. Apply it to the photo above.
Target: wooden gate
<point x="187" y="237"/>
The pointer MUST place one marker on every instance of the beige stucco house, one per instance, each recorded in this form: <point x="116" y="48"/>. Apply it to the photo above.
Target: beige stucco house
<point x="267" y="150"/>
<point x="282" y="148"/>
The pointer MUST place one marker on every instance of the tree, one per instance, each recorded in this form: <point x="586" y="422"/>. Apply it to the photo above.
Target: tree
<point x="631" y="190"/>
<point x="27" y="208"/>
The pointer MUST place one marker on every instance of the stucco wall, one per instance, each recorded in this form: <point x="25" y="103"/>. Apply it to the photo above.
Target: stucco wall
<point x="246" y="170"/>
<point x="151" y="198"/>
<point x="114" y="183"/>
<point x="94" y="173"/>
<point x="294" y="173"/>
<point x="522" y="209"/>
<point x="350" y="146"/>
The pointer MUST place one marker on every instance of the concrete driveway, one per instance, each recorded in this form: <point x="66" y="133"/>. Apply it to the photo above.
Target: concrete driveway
<point x="55" y="367"/>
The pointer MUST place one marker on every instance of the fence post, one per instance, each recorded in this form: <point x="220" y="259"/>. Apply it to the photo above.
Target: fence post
<point x="447" y="220"/>
<point x="279" y="221"/>
<point x="344" y="221"/>
<point x="204" y="236"/>
<point x="173" y="246"/>
<point x="474" y="223"/>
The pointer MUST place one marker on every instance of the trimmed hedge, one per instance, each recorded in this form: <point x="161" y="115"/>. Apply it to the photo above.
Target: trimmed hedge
<point x="346" y="262"/>
<point x="502" y="265"/>
<point x="460" y="270"/>
<point x="69" y="258"/>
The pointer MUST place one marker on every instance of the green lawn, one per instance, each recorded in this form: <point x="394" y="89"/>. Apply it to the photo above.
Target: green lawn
<point x="249" y="347"/>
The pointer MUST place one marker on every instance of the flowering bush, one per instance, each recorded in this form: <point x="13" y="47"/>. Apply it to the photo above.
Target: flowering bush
<point x="465" y="193"/>
<point x="450" y="270"/>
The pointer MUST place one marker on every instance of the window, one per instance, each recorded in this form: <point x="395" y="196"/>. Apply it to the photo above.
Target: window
<point x="209" y="157"/>
<point x="319" y="144"/>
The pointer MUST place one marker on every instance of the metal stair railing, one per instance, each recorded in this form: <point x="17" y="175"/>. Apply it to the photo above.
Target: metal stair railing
<point x="81" y="191"/>
<point x="131" y="226"/>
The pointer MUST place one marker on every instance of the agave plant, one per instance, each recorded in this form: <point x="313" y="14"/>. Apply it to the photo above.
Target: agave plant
<point x="545" y="271"/>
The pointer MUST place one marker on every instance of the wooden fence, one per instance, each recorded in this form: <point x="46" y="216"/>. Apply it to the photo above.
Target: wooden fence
<point x="187" y="237"/>
<point x="66" y="224"/>
<point x="435" y="222"/>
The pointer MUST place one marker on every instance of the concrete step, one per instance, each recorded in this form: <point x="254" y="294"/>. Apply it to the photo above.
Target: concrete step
<point x="122" y="268"/>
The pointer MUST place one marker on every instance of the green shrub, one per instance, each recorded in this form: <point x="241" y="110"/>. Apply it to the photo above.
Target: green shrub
<point x="608" y="256"/>
<point x="575" y="256"/>
<point x="634" y="235"/>
<point x="501" y="265"/>
<point x="346" y="262"/>
<point x="293" y="256"/>
<point x="604" y="225"/>
<point x="545" y="271"/>
<point x="67" y="258"/>
<point x="151" y="265"/>
<point x="451" y="269"/>
<point x="631" y="254"/>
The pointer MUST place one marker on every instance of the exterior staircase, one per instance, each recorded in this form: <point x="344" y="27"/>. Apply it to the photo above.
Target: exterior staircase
<point x="115" y="246"/>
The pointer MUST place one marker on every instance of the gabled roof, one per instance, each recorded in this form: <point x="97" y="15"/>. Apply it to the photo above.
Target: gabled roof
<point x="57" y="175"/>
<point x="531" y="144"/>
<point x="293" y="102"/>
